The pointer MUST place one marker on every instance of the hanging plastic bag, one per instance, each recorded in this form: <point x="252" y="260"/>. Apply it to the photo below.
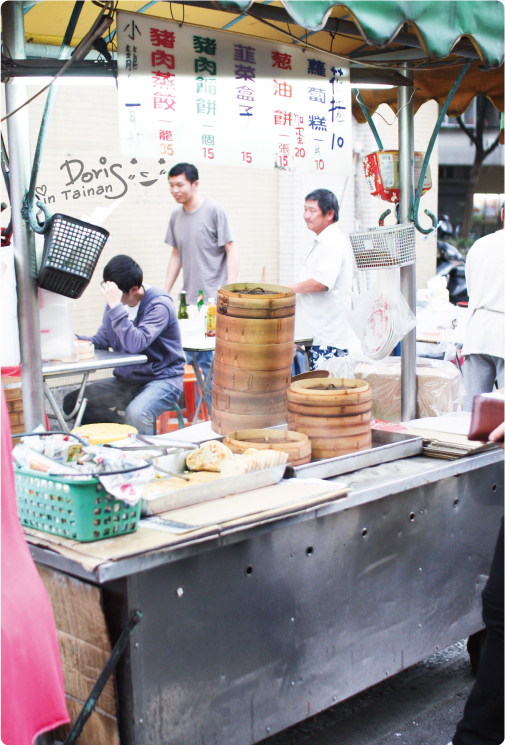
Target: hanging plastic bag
<point x="381" y="317"/>
<point x="56" y="330"/>
<point x="9" y="309"/>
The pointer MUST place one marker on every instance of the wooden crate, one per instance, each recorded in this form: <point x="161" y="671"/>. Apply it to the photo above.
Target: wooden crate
<point x="85" y="646"/>
<point x="14" y="397"/>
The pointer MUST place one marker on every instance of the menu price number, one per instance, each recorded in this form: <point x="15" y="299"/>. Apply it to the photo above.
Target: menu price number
<point x="319" y="164"/>
<point x="166" y="149"/>
<point x="208" y="152"/>
<point x="283" y="160"/>
<point x="299" y="152"/>
<point x="246" y="157"/>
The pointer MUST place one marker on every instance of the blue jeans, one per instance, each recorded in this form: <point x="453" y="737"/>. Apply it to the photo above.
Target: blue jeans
<point x="317" y="352"/>
<point x="141" y="404"/>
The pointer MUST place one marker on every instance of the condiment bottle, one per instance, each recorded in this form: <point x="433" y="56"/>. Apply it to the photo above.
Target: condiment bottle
<point x="183" y="308"/>
<point x="211" y="317"/>
<point x="199" y="301"/>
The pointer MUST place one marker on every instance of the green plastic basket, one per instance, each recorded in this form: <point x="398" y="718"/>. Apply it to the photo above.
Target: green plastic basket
<point x="75" y="508"/>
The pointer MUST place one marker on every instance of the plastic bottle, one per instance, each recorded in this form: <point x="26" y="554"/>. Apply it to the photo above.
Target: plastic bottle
<point x="199" y="302"/>
<point x="211" y="317"/>
<point x="183" y="308"/>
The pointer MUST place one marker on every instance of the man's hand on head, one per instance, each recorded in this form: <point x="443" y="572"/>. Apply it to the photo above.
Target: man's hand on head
<point x="111" y="293"/>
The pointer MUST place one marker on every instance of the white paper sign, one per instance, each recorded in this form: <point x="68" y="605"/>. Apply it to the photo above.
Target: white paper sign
<point x="203" y="96"/>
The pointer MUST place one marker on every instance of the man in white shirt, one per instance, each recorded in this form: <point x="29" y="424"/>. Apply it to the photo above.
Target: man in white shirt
<point x="484" y="347"/>
<point x="326" y="272"/>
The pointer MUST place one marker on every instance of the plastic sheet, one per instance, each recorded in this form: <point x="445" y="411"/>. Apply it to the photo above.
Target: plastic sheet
<point x="9" y="309"/>
<point x="56" y="329"/>
<point x="439" y="387"/>
<point x="381" y="317"/>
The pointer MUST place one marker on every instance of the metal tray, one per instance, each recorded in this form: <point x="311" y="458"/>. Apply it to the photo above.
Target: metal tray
<point x="188" y="495"/>
<point x="386" y="446"/>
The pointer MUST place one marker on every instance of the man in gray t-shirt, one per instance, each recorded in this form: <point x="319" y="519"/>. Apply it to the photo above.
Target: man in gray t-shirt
<point x="202" y="244"/>
<point x="201" y="238"/>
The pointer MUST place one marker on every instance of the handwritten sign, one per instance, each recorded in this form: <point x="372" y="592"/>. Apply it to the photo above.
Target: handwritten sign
<point x="198" y="95"/>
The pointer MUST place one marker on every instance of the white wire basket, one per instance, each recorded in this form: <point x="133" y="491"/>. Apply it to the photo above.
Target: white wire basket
<point x="380" y="248"/>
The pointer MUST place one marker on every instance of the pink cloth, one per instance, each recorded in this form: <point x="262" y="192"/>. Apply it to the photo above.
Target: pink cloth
<point x="33" y="696"/>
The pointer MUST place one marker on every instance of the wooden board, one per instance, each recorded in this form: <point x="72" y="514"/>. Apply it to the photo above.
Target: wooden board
<point x="207" y="519"/>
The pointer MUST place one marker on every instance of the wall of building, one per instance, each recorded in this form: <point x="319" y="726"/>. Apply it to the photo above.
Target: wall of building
<point x="83" y="175"/>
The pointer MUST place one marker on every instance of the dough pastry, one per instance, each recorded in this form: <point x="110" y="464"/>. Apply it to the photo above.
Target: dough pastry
<point x="209" y="457"/>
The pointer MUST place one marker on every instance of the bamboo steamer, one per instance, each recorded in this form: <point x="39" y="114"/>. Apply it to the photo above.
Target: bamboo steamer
<point x="249" y="331"/>
<point x="253" y="381"/>
<point x="224" y="422"/>
<point x="319" y="422"/>
<point x="331" y="448"/>
<point x="253" y="357"/>
<point x="248" y="403"/>
<point x="354" y="392"/>
<point x="298" y="448"/>
<point x="336" y="421"/>
<point x="233" y="303"/>
<point x="340" y="411"/>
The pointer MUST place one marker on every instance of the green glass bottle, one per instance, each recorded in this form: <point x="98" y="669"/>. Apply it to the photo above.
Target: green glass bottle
<point x="183" y="308"/>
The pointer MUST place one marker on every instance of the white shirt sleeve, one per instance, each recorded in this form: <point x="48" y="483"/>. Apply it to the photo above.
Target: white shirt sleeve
<point x="328" y="266"/>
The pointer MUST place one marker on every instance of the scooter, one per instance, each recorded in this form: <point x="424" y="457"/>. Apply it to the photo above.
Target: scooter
<point x="451" y="263"/>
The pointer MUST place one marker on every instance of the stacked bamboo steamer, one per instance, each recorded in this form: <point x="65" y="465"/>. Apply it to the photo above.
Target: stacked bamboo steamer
<point x="295" y="444"/>
<point x="253" y="357"/>
<point x="337" y="420"/>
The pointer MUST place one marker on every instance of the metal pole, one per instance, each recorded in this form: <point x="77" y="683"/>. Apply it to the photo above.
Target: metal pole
<point x="407" y="273"/>
<point x="24" y="243"/>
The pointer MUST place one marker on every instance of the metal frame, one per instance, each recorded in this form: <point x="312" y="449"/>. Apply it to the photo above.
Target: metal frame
<point x="230" y="651"/>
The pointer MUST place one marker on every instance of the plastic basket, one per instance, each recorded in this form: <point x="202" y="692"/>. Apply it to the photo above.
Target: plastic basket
<point x="379" y="248"/>
<point x="71" y="252"/>
<point x="75" y="508"/>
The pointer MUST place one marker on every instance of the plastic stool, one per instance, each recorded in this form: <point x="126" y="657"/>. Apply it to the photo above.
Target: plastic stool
<point x="163" y="424"/>
<point x="190" y="391"/>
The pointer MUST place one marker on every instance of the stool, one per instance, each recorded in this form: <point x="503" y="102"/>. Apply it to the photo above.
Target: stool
<point x="163" y="424"/>
<point x="190" y="389"/>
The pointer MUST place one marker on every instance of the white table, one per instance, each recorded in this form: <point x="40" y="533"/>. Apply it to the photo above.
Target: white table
<point x="196" y="344"/>
<point x="103" y="360"/>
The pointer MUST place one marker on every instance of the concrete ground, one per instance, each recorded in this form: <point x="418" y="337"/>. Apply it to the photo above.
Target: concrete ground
<point x="419" y="706"/>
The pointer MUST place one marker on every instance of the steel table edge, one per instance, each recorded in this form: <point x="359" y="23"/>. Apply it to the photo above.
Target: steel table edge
<point x="441" y="469"/>
<point x="48" y="557"/>
<point x="110" y="570"/>
<point x="102" y="364"/>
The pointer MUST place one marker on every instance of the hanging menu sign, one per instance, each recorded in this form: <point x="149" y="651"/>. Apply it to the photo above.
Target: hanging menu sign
<point x="193" y="94"/>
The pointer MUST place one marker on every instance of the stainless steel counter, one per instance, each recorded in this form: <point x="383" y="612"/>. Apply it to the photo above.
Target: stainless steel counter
<point x="250" y="631"/>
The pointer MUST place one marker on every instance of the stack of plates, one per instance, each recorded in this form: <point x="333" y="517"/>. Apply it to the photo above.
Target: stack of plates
<point x="381" y="332"/>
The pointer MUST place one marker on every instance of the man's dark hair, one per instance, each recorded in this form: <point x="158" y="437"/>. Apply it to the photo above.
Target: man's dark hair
<point x="187" y="169"/>
<point x="326" y="201"/>
<point x="124" y="271"/>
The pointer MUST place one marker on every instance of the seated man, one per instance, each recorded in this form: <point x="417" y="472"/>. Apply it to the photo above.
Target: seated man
<point x="137" y="319"/>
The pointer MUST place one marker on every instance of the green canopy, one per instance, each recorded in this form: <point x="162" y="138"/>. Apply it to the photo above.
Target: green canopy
<point x="439" y="24"/>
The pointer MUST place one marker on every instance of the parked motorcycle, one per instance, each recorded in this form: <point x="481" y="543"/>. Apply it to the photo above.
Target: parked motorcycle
<point x="451" y="263"/>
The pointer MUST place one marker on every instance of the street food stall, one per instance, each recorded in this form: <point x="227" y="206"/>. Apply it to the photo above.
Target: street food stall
<point x="235" y="610"/>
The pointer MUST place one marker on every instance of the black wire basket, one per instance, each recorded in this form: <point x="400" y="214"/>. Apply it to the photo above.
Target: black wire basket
<point x="71" y="252"/>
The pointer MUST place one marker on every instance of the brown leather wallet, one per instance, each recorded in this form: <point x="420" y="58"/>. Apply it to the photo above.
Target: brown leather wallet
<point x="487" y="415"/>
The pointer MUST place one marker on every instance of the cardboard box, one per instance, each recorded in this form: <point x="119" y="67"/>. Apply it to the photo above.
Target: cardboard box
<point x="438" y="387"/>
